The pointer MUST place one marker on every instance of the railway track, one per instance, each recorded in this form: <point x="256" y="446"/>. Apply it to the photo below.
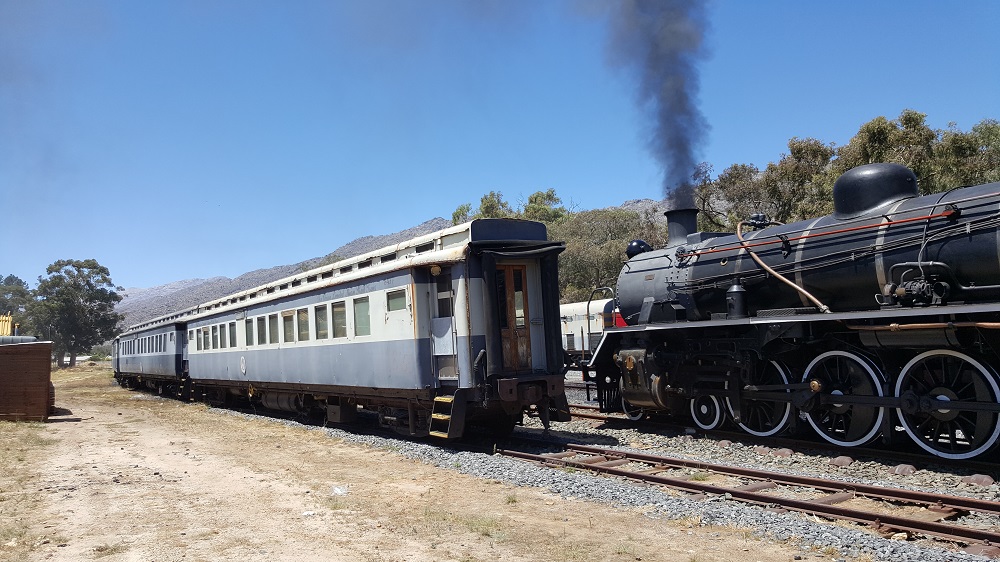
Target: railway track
<point x="891" y="456"/>
<point x="886" y="510"/>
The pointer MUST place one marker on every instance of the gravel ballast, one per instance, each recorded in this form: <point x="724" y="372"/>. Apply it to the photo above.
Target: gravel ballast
<point x="814" y="535"/>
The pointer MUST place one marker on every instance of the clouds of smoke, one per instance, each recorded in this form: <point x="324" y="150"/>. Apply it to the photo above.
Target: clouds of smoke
<point x="662" y="41"/>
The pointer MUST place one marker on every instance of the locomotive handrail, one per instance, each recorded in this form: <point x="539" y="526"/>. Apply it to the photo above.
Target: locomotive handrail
<point x="745" y="245"/>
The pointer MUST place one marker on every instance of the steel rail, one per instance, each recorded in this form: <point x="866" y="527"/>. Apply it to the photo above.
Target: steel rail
<point x="890" y="494"/>
<point x="877" y="521"/>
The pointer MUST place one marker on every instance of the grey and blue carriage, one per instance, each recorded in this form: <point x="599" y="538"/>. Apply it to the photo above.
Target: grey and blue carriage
<point x="454" y="327"/>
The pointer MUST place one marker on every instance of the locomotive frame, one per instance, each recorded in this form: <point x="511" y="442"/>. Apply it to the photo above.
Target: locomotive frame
<point x="883" y="314"/>
<point x="454" y="327"/>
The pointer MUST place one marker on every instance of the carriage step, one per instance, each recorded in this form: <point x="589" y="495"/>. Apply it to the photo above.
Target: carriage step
<point x="448" y="415"/>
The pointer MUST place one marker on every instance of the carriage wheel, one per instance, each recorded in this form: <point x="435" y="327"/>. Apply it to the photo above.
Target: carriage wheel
<point x="706" y="411"/>
<point x="948" y="376"/>
<point x="842" y="373"/>
<point x="763" y="418"/>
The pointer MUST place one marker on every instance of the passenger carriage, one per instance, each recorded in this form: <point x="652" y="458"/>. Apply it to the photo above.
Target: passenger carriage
<point x="457" y="326"/>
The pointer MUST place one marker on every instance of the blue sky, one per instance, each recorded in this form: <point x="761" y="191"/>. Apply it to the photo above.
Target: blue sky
<point x="182" y="139"/>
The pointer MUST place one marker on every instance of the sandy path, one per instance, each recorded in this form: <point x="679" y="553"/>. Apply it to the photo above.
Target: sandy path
<point x="137" y="478"/>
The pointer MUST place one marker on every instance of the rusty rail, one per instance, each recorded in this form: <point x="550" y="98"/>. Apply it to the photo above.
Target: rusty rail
<point x="610" y="461"/>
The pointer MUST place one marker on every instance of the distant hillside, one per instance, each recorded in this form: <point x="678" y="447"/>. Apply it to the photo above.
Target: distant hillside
<point x="140" y="305"/>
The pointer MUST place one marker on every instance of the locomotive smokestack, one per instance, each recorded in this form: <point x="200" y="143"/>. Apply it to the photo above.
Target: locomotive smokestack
<point x="681" y="222"/>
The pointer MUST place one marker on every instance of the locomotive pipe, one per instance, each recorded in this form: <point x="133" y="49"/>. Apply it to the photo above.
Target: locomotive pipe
<point x="948" y="271"/>
<point x="739" y="235"/>
<point x="928" y="326"/>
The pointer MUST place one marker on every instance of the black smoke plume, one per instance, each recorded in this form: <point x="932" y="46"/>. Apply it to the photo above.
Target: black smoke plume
<point x="662" y="41"/>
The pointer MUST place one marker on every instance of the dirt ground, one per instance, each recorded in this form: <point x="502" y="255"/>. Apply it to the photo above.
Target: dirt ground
<point x="121" y="476"/>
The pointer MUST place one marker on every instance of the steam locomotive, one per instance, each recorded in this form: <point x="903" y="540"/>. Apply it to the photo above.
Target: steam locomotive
<point x="881" y="316"/>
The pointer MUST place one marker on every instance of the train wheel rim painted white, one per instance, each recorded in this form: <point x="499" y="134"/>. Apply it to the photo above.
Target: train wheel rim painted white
<point x="922" y="377"/>
<point x="844" y="373"/>
<point x="631" y="412"/>
<point x="757" y="416"/>
<point x="706" y="411"/>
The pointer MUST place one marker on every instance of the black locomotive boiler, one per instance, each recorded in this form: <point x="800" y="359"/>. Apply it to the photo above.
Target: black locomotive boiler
<point x="878" y="319"/>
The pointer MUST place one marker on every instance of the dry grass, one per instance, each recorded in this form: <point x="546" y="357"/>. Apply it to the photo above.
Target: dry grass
<point x="385" y="510"/>
<point x="22" y="447"/>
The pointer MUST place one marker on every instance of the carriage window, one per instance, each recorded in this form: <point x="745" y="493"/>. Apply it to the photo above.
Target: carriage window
<point x="232" y="334"/>
<point x="207" y="337"/>
<point x="288" y="325"/>
<point x="215" y="337"/>
<point x="190" y="335"/>
<point x="261" y="330"/>
<point x="570" y="342"/>
<point x="339" y="320"/>
<point x="362" y="323"/>
<point x="518" y="298"/>
<point x="302" y="323"/>
<point x="322" y="330"/>
<point x="444" y="295"/>
<point x="272" y="328"/>
<point x="396" y="300"/>
<point x="223" y="336"/>
<point x="248" y="325"/>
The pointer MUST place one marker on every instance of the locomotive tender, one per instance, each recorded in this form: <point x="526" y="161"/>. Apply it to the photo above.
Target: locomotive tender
<point x="454" y="327"/>
<point x="883" y="314"/>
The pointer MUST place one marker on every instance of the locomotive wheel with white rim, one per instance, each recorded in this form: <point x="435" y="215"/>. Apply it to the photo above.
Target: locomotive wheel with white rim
<point x="706" y="411"/>
<point x="634" y="413"/>
<point x="842" y="373"/>
<point x="763" y="418"/>
<point x="949" y="376"/>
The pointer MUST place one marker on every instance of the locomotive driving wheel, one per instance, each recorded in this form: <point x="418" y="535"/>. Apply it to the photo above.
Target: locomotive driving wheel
<point x="763" y="418"/>
<point x="842" y="373"/>
<point x="948" y="376"/>
<point x="631" y="411"/>
<point x="706" y="411"/>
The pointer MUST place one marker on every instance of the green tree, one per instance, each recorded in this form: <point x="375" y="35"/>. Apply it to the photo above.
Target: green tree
<point x="74" y="306"/>
<point x="595" y="247"/>
<point x="14" y="297"/>
<point x="968" y="158"/>
<point x="461" y="214"/>
<point x="493" y="206"/>
<point x="795" y="187"/>
<point x="543" y="206"/>
<point x="906" y="140"/>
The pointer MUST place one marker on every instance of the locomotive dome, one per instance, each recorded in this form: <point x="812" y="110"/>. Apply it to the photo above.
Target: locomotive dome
<point x="866" y="188"/>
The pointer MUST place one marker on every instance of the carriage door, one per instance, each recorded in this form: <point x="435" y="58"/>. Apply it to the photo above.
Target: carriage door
<point x="512" y="302"/>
